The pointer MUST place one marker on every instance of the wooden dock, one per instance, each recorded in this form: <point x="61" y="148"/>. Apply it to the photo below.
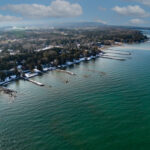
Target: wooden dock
<point x="67" y="72"/>
<point x="114" y="58"/>
<point x="118" y="53"/>
<point x="34" y="82"/>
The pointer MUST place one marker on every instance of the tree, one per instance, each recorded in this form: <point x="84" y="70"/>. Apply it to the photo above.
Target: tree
<point x="2" y="76"/>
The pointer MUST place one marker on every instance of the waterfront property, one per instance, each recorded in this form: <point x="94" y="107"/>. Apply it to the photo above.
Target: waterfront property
<point x="28" y="74"/>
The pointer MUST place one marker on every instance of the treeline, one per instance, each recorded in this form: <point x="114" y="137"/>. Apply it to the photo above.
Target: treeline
<point x="57" y="56"/>
<point x="117" y="35"/>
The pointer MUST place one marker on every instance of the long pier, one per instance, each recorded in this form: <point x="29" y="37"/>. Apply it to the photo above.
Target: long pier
<point x="114" y="58"/>
<point x="122" y="53"/>
<point x="118" y="50"/>
<point x="67" y="72"/>
<point x="34" y="82"/>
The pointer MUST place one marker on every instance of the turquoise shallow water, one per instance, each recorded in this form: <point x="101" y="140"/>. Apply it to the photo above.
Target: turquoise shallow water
<point x="105" y="107"/>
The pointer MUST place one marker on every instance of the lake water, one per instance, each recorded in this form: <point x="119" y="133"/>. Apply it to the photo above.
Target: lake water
<point x="105" y="107"/>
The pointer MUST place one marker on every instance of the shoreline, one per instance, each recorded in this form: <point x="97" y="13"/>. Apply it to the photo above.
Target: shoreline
<point x="59" y="68"/>
<point x="62" y="68"/>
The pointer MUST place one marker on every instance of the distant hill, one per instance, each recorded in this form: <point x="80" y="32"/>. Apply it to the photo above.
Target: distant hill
<point x="71" y="25"/>
<point x="80" y="25"/>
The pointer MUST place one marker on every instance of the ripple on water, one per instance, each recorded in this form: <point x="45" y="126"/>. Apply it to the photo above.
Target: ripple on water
<point x="92" y="112"/>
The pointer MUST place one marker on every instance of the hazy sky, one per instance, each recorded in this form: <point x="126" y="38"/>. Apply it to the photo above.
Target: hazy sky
<point x="114" y="12"/>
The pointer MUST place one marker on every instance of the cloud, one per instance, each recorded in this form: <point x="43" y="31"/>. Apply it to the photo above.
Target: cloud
<point x="57" y="8"/>
<point x="136" y="21"/>
<point x="101" y="21"/>
<point x="9" y="18"/>
<point x="145" y="2"/>
<point x="130" y="10"/>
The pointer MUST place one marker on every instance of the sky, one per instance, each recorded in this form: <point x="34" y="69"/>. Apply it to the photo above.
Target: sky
<point x="111" y="12"/>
